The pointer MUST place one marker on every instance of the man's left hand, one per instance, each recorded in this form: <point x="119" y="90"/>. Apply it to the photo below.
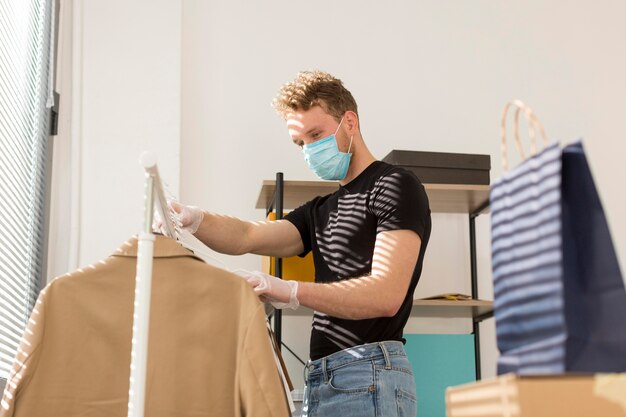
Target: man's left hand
<point x="278" y="292"/>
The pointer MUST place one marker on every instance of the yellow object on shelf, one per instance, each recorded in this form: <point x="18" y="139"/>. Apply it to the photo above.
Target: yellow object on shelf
<point x="449" y="296"/>
<point x="294" y="268"/>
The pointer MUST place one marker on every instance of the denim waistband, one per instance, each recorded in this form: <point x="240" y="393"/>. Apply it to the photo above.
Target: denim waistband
<point x="354" y="354"/>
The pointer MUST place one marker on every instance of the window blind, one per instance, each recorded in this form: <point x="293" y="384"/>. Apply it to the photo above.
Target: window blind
<point x="25" y="44"/>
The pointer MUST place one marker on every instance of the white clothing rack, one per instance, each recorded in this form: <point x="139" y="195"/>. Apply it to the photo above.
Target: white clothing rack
<point x="154" y="195"/>
<point x="143" y="283"/>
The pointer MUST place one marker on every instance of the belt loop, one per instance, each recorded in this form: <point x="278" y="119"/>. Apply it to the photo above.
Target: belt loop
<point x="324" y="370"/>
<point x="305" y="372"/>
<point x="385" y="354"/>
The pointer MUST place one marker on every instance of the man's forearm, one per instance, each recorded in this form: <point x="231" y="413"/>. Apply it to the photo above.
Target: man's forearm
<point x="355" y="299"/>
<point x="224" y="234"/>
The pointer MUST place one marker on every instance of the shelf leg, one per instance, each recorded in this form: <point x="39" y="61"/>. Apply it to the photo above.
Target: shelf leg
<point x="278" y="266"/>
<point x="474" y="275"/>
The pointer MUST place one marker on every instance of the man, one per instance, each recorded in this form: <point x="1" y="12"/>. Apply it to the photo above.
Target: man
<point x="368" y="241"/>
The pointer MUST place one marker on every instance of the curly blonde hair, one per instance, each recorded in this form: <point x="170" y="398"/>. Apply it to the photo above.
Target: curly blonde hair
<point x="314" y="88"/>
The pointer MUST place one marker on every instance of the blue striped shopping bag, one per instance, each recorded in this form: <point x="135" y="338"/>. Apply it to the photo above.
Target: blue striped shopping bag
<point x="559" y="297"/>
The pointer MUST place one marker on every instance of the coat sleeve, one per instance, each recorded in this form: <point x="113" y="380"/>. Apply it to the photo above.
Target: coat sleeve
<point x="26" y="359"/>
<point x="261" y="389"/>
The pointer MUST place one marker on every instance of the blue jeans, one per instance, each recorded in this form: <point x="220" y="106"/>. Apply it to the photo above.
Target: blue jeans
<point x="371" y="380"/>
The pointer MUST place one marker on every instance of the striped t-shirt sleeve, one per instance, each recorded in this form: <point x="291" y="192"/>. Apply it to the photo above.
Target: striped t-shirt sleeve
<point x="301" y="218"/>
<point x="399" y="202"/>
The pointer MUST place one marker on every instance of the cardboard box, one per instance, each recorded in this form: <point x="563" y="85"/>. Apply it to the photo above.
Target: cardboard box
<point x="443" y="168"/>
<point x="569" y="395"/>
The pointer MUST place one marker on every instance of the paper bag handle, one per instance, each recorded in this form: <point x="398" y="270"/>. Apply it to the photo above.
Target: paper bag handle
<point x="533" y="125"/>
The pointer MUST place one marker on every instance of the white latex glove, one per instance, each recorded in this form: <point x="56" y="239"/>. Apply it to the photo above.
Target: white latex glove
<point x="278" y="292"/>
<point x="187" y="217"/>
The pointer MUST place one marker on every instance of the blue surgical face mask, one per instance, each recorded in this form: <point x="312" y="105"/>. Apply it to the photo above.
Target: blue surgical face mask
<point x="324" y="158"/>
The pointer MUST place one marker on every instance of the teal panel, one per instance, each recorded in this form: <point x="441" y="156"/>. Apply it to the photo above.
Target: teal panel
<point x="439" y="361"/>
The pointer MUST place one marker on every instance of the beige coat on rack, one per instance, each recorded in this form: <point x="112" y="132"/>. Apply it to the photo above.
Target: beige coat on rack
<point x="209" y="354"/>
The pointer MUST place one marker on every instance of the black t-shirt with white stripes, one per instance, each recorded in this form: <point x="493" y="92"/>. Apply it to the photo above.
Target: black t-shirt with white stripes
<point x="341" y="229"/>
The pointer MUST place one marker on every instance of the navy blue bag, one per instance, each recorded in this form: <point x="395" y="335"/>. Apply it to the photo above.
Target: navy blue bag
<point x="595" y="299"/>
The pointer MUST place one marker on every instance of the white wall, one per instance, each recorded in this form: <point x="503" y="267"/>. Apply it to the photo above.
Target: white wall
<point x="428" y="75"/>
<point x="130" y="102"/>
